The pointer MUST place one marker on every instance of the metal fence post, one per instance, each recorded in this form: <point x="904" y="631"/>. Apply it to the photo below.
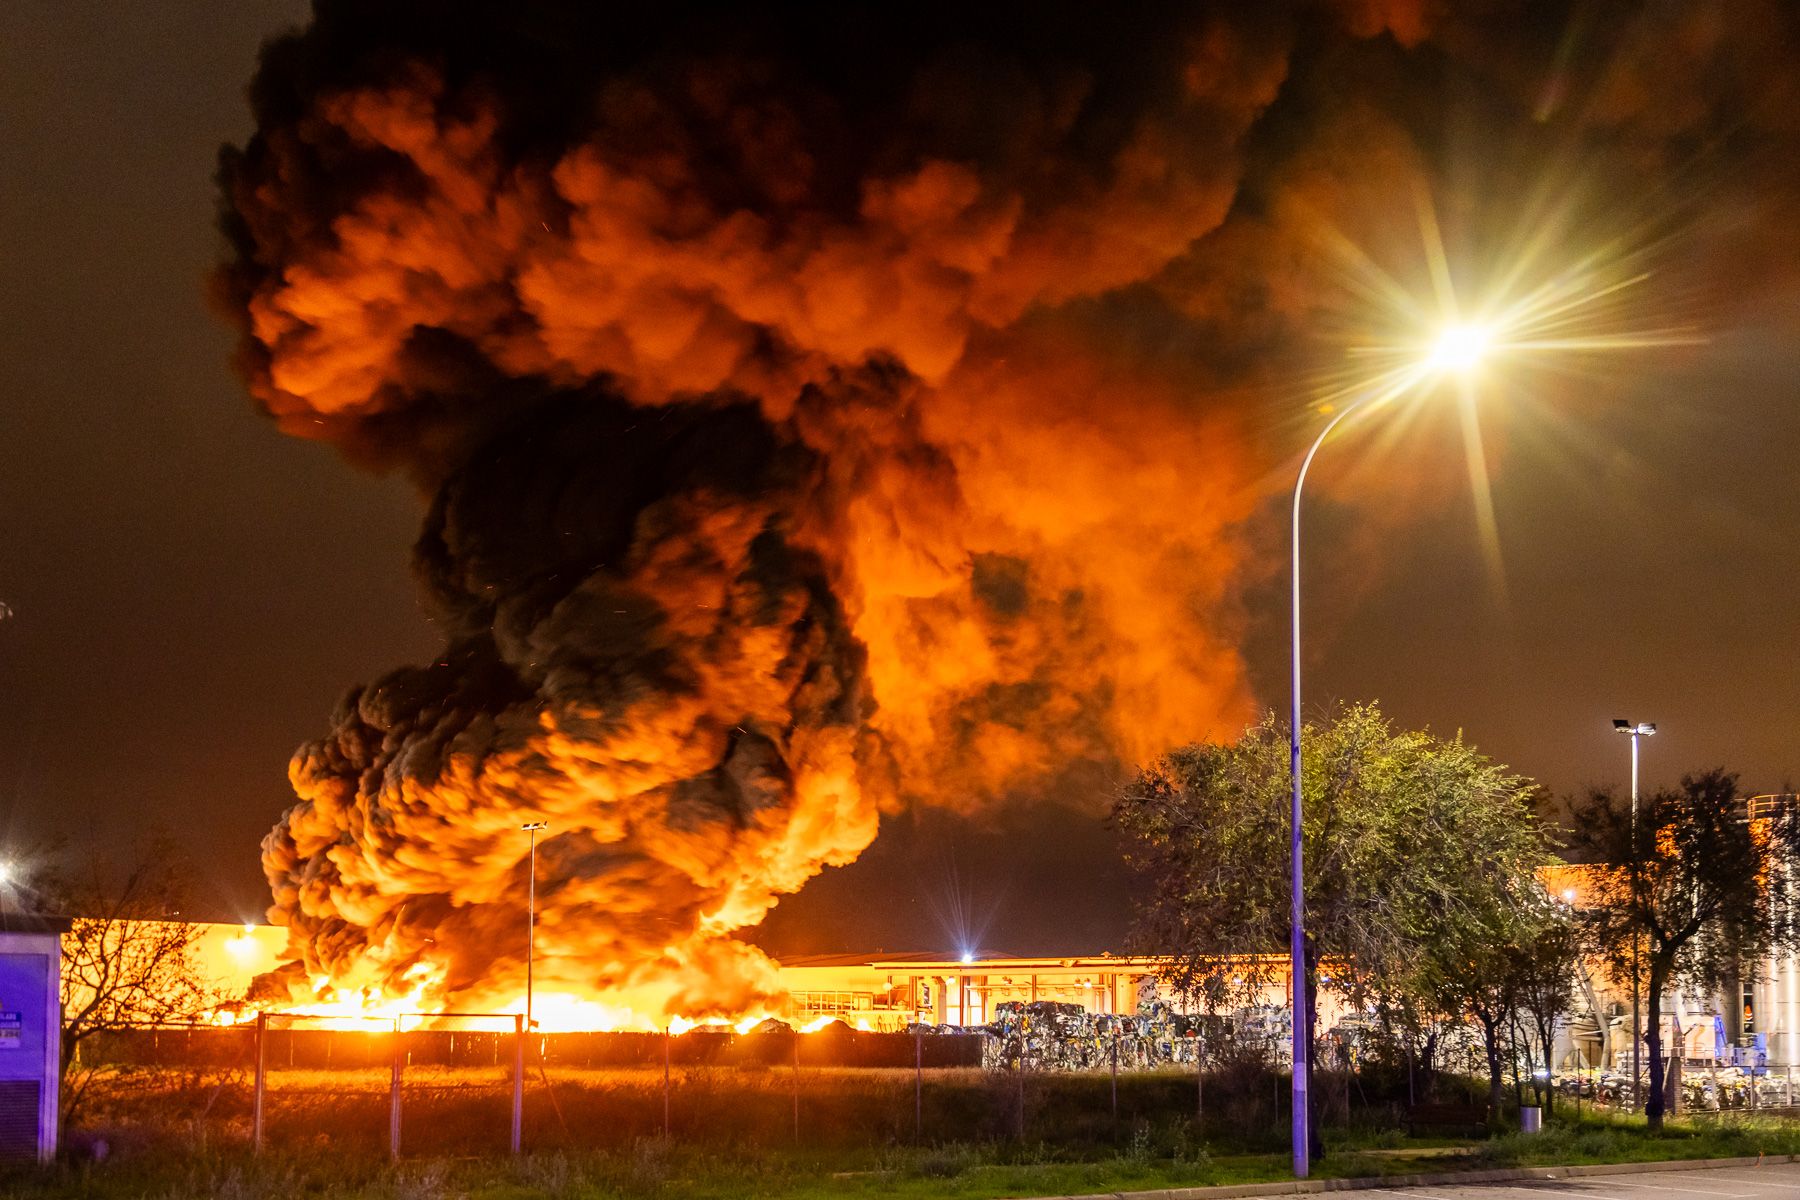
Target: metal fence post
<point x="796" y="1087"/>
<point x="1200" y="1079"/>
<point x="394" y="1098"/>
<point x="256" y="1109"/>
<point x="518" y="1081"/>
<point x="919" y="1084"/>
<point x="1115" y="1075"/>
<point x="1021" y="1089"/>
<point x="666" y="1037"/>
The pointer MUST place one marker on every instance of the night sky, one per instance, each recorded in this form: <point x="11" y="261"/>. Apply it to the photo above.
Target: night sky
<point x="192" y="591"/>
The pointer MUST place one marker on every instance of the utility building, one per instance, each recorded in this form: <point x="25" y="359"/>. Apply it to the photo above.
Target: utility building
<point x="30" y="1034"/>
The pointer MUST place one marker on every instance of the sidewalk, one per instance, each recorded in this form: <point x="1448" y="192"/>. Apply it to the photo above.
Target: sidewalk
<point x="1292" y="1187"/>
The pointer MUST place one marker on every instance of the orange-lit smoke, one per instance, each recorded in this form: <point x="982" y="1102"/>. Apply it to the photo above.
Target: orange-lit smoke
<point x="769" y="485"/>
<point x="819" y="411"/>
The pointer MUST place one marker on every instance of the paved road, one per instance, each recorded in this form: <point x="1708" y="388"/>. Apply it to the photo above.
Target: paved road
<point x="1780" y="1181"/>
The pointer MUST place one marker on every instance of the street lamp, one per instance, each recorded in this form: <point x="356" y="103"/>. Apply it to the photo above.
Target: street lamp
<point x="1634" y="731"/>
<point x="1457" y="349"/>
<point x="533" y="828"/>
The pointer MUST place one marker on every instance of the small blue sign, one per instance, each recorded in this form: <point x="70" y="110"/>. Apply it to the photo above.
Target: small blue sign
<point x="12" y="1031"/>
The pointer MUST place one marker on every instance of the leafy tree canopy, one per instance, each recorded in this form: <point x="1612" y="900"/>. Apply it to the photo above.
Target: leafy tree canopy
<point x="1410" y="841"/>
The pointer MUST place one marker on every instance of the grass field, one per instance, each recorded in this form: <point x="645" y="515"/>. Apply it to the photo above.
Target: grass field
<point x="181" y="1134"/>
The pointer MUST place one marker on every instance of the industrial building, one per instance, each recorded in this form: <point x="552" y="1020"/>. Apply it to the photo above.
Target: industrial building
<point x="966" y="990"/>
<point x="1760" y="1019"/>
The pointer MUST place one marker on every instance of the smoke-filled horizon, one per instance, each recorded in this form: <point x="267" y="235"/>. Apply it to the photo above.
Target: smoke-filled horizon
<point x="822" y="413"/>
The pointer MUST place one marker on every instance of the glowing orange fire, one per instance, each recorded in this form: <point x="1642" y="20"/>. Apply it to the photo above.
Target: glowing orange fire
<point x="231" y="957"/>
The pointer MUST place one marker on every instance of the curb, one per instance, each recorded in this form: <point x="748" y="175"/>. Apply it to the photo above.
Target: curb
<point x="1294" y="1187"/>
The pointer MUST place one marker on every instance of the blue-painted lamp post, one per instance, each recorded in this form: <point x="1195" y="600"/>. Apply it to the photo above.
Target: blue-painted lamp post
<point x="1458" y="348"/>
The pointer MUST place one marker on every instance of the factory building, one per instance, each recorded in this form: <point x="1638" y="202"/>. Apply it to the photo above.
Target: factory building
<point x="1758" y="1018"/>
<point x="890" y="993"/>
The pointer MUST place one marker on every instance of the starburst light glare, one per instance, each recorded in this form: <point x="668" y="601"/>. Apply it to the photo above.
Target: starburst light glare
<point x="1460" y="347"/>
<point x="1577" y="308"/>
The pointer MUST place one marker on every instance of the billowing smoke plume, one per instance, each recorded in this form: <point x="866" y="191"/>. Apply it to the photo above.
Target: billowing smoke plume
<point x="820" y="409"/>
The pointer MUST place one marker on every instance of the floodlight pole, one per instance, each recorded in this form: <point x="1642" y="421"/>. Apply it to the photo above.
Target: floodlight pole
<point x="533" y="828"/>
<point x="1297" y="913"/>
<point x="1635" y="729"/>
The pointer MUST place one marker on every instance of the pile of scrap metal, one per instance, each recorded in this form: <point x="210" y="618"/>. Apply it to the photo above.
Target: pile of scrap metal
<point x="1047" y="1036"/>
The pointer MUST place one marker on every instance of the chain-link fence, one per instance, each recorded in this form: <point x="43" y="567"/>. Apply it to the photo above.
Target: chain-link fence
<point x="480" y="1084"/>
<point x="470" y="1063"/>
<point x="1694" y="1088"/>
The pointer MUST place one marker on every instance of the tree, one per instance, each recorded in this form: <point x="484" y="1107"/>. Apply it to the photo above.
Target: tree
<point x="1696" y="880"/>
<point x="1409" y="840"/>
<point x="126" y="960"/>
<point x="1510" y="958"/>
<point x="1543" y="974"/>
<point x="1468" y="971"/>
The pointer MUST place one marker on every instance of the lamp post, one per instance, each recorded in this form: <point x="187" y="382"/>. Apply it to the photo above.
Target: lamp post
<point x="1634" y="730"/>
<point x="1458" y="348"/>
<point x="533" y="828"/>
<point x="1297" y="912"/>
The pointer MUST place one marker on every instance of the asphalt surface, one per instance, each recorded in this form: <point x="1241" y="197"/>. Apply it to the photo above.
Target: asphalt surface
<point x="1776" y="1181"/>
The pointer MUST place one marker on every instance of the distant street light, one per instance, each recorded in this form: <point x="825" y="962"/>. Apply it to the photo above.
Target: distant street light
<point x="1458" y="349"/>
<point x="1634" y="731"/>
<point x="533" y="828"/>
